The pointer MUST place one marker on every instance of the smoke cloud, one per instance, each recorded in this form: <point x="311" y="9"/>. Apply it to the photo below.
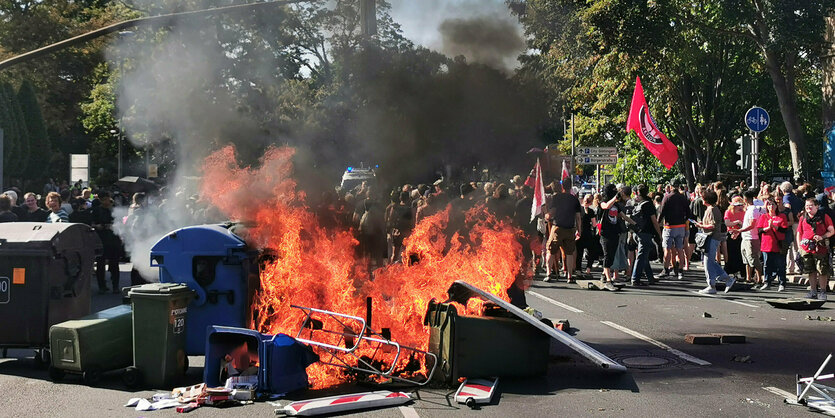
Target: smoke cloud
<point x="197" y="87"/>
<point x="489" y="40"/>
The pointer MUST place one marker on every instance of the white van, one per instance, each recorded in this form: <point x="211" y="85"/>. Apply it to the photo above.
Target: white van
<point x="354" y="176"/>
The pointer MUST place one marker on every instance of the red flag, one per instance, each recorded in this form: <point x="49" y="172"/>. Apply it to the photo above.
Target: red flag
<point x="565" y="173"/>
<point x="642" y="123"/>
<point x="529" y="181"/>
<point x="538" y="192"/>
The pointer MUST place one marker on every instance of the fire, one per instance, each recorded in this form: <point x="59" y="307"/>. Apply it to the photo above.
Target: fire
<point x="316" y="267"/>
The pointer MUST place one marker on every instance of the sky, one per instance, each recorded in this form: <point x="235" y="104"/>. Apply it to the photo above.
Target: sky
<point x="421" y="21"/>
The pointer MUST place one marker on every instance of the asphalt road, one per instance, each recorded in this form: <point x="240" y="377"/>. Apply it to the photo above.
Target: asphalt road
<point x="643" y="328"/>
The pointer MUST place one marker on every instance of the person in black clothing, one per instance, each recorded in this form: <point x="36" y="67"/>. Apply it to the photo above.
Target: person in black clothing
<point x="646" y="226"/>
<point x="6" y="214"/>
<point x="32" y="212"/>
<point x="80" y="213"/>
<point x="612" y="224"/>
<point x="102" y="218"/>
<point x="399" y="225"/>
<point x="588" y="235"/>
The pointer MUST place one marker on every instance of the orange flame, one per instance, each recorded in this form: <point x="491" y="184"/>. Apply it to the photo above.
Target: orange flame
<point x="317" y="267"/>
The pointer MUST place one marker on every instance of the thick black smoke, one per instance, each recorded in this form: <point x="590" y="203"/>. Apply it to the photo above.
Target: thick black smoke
<point x="491" y="40"/>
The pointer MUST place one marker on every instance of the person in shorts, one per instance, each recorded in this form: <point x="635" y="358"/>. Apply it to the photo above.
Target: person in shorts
<point x="674" y="214"/>
<point x="564" y="215"/>
<point x="813" y="231"/>
<point x="750" y="247"/>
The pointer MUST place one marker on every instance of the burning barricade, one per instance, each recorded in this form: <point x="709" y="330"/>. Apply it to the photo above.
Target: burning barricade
<point x="319" y="318"/>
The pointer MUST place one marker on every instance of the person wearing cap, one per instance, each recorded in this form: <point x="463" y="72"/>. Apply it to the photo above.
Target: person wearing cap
<point x="734" y="217"/>
<point x="17" y="210"/>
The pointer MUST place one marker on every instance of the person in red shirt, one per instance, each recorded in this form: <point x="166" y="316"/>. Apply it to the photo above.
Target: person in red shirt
<point x="733" y="221"/>
<point x="772" y="226"/>
<point x="813" y="232"/>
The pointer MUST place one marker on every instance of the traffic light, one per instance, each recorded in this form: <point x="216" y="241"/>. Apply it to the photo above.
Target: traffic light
<point x="744" y="152"/>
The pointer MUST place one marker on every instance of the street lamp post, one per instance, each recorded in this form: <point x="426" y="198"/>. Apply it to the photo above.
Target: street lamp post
<point x="118" y="135"/>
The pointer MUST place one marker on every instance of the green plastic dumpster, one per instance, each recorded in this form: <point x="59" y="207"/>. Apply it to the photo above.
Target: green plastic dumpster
<point x="159" y="337"/>
<point x="91" y="345"/>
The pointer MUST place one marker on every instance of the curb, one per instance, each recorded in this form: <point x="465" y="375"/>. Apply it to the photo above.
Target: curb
<point x="803" y="280"/>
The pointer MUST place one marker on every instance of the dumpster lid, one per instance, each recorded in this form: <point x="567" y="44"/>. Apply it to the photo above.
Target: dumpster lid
<point x="159" y="289"/>
<point x="31" y="232"/>
<point x="200" y="239"/>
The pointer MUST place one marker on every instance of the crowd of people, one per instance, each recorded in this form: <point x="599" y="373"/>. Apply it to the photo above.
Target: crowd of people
<point x="754" y="235"/>
<point x="75" y="203"/>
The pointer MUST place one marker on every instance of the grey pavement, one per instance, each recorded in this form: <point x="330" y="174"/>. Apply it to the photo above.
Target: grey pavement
<point x="641" y="327"/>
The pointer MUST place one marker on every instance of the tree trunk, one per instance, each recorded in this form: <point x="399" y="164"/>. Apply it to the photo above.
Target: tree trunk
<point x="786" y="97"/>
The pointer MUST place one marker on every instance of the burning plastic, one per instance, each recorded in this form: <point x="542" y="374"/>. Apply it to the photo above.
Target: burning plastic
<point x="316" y="266"/>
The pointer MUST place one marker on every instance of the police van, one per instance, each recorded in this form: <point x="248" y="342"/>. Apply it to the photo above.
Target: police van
<point x="354" y="176"/>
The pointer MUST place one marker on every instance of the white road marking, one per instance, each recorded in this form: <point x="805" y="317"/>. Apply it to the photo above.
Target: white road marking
<point x="726" y="300"/>
<point x="780" y="392"/>
<point x="636" y="334"/>
<point x="553" y="302"/>
<point x="408" y="412"/>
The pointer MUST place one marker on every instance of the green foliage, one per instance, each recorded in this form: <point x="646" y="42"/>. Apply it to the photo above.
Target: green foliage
<point x="698" y="65"/>
<point x="16" y="138"/>
<point x="39" y="146"/>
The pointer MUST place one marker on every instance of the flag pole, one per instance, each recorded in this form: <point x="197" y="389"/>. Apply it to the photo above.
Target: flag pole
<point x="573" y="155"/>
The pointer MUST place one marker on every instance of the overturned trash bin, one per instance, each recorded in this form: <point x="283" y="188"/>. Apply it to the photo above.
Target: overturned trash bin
<point x="219" y="267"/>
<point x="477" y="346"/>
<point x="45" y="272"/>
<point x="272" y="363"/>
<point x="92" y="345"/>
<point x="159" y="334"/>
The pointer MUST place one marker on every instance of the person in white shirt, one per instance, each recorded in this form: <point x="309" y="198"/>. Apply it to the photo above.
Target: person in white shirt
<point x="751" y="239"/>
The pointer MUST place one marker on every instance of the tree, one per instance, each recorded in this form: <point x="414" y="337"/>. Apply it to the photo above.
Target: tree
<point x="698" y="81"/>
<point x="788" y="35"/>
<point x="39" y="146"/>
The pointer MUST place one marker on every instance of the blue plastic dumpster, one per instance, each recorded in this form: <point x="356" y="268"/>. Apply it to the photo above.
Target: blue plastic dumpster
<point x="219" y="267"/>
<point x="281" y="359"/>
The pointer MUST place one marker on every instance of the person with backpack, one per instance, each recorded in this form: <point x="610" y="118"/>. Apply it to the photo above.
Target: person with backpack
<point x="646" y="224"/>
<point x="612" y="225"/>
<point x="711" y="224"/>
<point x="813" y="232"/>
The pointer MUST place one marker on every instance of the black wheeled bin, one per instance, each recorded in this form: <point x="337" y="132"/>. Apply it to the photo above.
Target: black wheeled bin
<point x="219" y="267"/>
<point x="45" y="272"/>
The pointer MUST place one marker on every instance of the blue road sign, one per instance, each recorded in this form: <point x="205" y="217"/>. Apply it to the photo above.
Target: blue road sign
<point x="757" y="119"/>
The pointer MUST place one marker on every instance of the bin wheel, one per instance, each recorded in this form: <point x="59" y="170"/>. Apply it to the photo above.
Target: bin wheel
<point x="46" y="356"/>
<point x="92" y="375"/>
<point x="40" y="358"/>
<point x="185" y="365"/>
<point x="132" y="377"/>
<point x="5" y="352"/>
<point x="55" y="374"/>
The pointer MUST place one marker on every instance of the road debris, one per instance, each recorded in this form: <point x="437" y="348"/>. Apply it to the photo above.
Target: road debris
<point x="707" y="315"/>
<point x="796" y="304"/>
<point x="343" y="403"/>
<point x="474" y="392"/>
<point x="702" y="339"/>
<point x="825" y="400"/>
<point x="730" y="338"/>
<point x="742" y="359"/>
